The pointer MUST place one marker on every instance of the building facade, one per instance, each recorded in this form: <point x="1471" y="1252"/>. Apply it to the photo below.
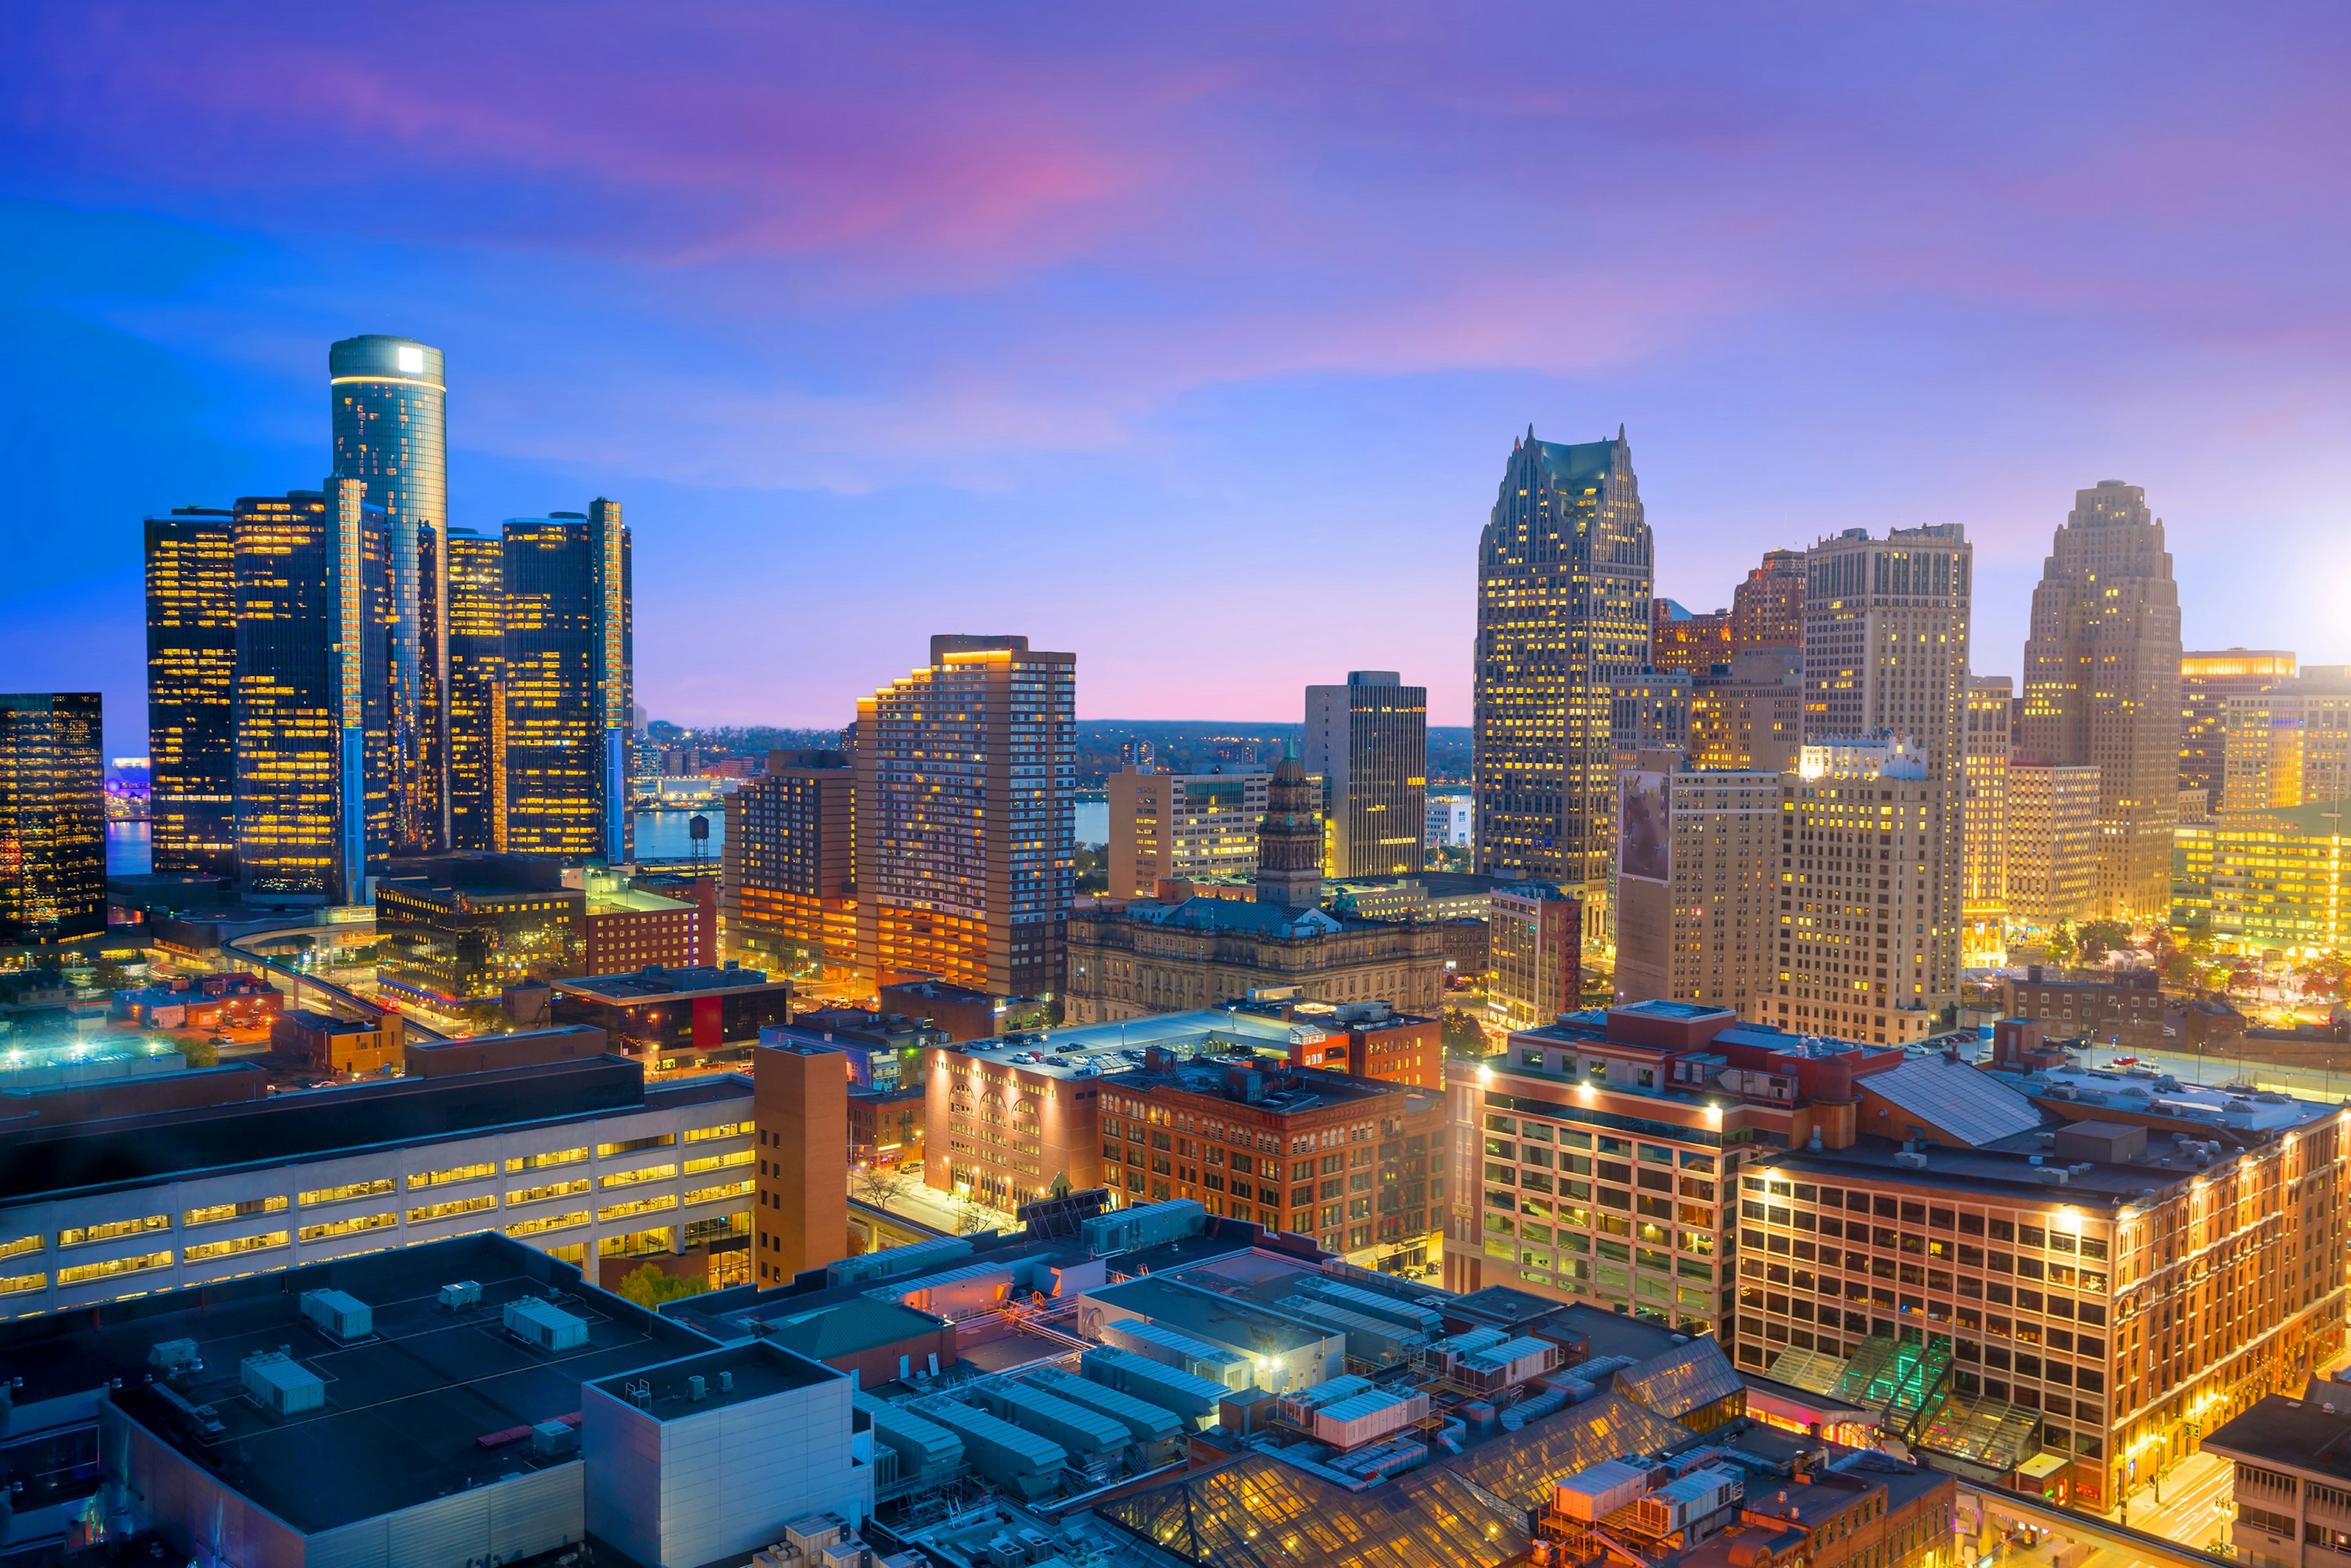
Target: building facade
<point x="1748" y="712"/>
<point x="191" y="571"/>
<point x="965" y="863"/>
<point x="2053" y="845"/>
<point x="2258" y="879"/>
<point x="1984" y="902"/>
<point x="52" y="817"/>
<point x="1689" y="640"/>
<point x="1698" y="928"/>
<point x="1564" y="589"/>
<point x="1534" y="954"/>
<point x="477" y="710"/>
<point x="1767" y="610"/>
<point x="568" y="667"/>
<point x="1368" y="742"/>
<point x="788" y="895"/>
<point x="2207" y="681"/>
<point x="1885" y="653"/>
<point x="1181" y="826"/>
<point x="2289" y="745"/>
<point x="1153" y="957"/>
<point x="2101" y="686"/>
<point x="388" y="398"/>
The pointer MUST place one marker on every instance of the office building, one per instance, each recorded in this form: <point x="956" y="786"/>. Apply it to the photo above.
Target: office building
<point x="1563" y="603"/>
<point x="2290" y="1502"/>
<point x="52" y="817"/>
<point x="1691" y="643"/>
<point x="1695" y="884"/>
<point x="454" y="932"/>
<point x="2101" y="686"/>
<point x="676" y="1020"/>
<point x="1370" y="1040"/>
<point x="190" y="569"/>
<point x="2259" y="880"/>
<point x="1861" y="954"/>
<point x="2207" y="682"/>
<point x="2052" y="845"/>
<point x="1885" y="654"/>
<point x="478" y="713"/>
<point x="2289" y="744"/>
<point x="1368" y="742"/>
<point x="568" y="669"/>
<point x="1749" y="712"/>
<point x="1767" y="610"/>
<point x="633" y="922"/>
<point x="388" y="397"/>
<point x="1451" y="821"/>
<point x="787" y="889"/>
<point x="1534" y="954"/>
<point x="800" y="1102"/>
<point x="314" y="779"/>
<point x="965" y="865"/>
<point x="1182" y="826"/>
<point x="1983" y="902"/>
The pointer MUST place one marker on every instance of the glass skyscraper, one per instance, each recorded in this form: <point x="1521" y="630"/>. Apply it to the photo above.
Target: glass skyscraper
<point x="316" y="625"/>
<point x="391" y="434"/>
<point x="52" y="817"/>
<point x="191" y="671"/>
<point x="569" y="673"/>
<point x="477" y="631"/>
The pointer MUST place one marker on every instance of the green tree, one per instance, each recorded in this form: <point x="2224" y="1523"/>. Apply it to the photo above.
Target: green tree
<point x="649" y="1287"/>
<point x="199" y="1051"/>
<point x="2099" y="938"/>
<point x="1461" y="1035"/>
<point x="108" y="976"/>
<point x="2062" y="945"/>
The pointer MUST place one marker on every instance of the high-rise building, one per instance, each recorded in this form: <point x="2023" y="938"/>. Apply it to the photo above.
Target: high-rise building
<point x="1767" y="610"/>
<point x="1185" y="826"/>
<point x="2289" y="745"/>
<point x="799" y="1097"/>
<point x="2207" y="682"/>
<point x="1534" y="932"/>
<point x="388" y="396"/>
<point x="191" y="679"/>
<point x="478" y="715"/>
<point x="2053" y="843"/>
<point x="1748" y="712"/>
<point x="1685" y="640"/>
<point x="2274" y="878"/>
<point x="52" y="817"/>
<point x="1564" y="587"/>
<point x="964" y="770"/>
<point x="1983" y="905"/>
<point x="1289" y="839"/>
<point x="1862" y="953"/>
<point x="314" y="776"/>
<point x="1368" y="742"/>
<point x="1696" y="867"/>
<point x="789" y="895"/>
<point x="2101" y="686"/>
<point x="568" y="668"/>
<point x="1885" y="654"/>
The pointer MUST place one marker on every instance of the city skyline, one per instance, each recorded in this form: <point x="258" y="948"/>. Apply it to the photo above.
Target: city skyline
<point x="1006" y="301"/>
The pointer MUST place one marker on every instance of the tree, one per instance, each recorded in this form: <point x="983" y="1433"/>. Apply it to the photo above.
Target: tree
<point x="878" y="1183"/>
<point x="2062" y="946"/>
<point x="108" y="976"/>
<point x="2100" y="937"/>
<point x="1461" y="1035"/>
<point x="649" y="1287"/>
<point x="200" y="1052"/>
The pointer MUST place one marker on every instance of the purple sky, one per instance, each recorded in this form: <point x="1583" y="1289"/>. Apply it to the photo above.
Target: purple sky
<point x="1190" y="337"/>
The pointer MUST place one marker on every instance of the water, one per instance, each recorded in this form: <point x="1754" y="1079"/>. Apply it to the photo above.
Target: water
<point x="1092" y="824"/>
<point x="662" y="835"/>
<point x="130" y="849"/>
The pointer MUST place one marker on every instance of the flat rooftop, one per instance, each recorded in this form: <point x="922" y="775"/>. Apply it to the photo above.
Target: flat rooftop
<point x="2295" y="1433"/>
<point x="2236" y="1107"/>
<point x="755" y="1370"/>
<point x="403" y="1407"/>
<point x="2007" y="1171"/>
<point x="654" y="983"/>
<point x="45" y="1163"/>
<point x="1204" y="1315"/>
<point x="1287" y="1091"/>
<point x="1095" y="1050"/>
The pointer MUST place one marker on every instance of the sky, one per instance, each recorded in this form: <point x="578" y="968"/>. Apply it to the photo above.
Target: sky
<point x="1192" y="338"/>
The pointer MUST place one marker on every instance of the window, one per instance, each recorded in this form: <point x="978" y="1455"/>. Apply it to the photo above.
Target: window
<point x="344" y="1194"/>
<point x="81" y="1274"/>
<point x="541" y="1194"/>
<point x="543" y="1162"/>
<point x="16" y="1284"/>
<point x="452" y="1208"/>
<point x="630" y="1178"/>
<point x="718" y="1162"/>
<point x="634" y="1145"/>
<point x="641" y="1206"/>
<point x="453" y="1174"/>
<point x="724" y="1130"/>
<point x="547" y="1222"/>
<point x="208" y="1250"/>
<point x="85" y="1235"/>
<point x="351" y="1227"/>
<point x="213" y="1214"/>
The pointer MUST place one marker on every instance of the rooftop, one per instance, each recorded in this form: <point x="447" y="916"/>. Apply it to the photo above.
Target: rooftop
<point x="1237" y="915"/>
<point x="1091" y="1051"/>
<point x="2311" y="1434"/>
<point x="1206" y="1314"/>
<point x="735" y="1375"/>
<point x="2239" y="1108"/>
<point x="1281" y="1089"/>
<point x="847" y="1327"/>
<point x="2010" y="1173"/>
<point x="656" y="983"/>
<point x="405" y="1407"/>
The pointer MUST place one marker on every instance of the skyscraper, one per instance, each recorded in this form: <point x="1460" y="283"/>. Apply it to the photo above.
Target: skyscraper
<point x="2101" y="686"/>
<point x="191" y="676"/>
<point x="1290" y="839"/>
<point x="1368" y="742"/>
<point x="2053" y="843"/>
<point x="315" y="614"/>
<point x="1885" y="654"/>
<point x="1767" y="610"/>
<point x="52" y="817"/>
<point x="2288" y="744"/>
<point x="568" y="668"/>
<point x="390" y="432"/>
<point x="965" y="772"/>
<point x="1563" y="597"/>
<point x="2207" y="682"/>
<point x="787" y="892"/>
<point x="1695" y="884"/>
<point x="1983" y="900"/>
<point x="477" y="718"/>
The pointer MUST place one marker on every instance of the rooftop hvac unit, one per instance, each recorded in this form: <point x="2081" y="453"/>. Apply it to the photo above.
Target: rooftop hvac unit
<point x="812" y="1532"/>
<point x="851" y="1553"/>
<point x="339" y="1315"/>
<point x="279" y="1382"/>
<point x="464" y="1293"/>
<point x="1673" y="1507"/>
<point x="173" y="1357"/>
<point x="552" y="1437"/>
<point x="545" y="1325"/>
<point x="1598" y="1490"/>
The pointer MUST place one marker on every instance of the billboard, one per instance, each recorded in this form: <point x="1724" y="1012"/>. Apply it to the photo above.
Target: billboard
<point x="1644" y="828"/>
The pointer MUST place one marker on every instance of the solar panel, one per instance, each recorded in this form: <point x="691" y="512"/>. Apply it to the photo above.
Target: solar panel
<point x="1972" y="1106"/>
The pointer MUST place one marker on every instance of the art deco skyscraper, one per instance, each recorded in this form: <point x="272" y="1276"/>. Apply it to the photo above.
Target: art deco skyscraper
<point x="391" y="434"/>
<point x="1368" y="742"/>
<point x="965" y="769"/>
<point x="477" y="718"/>
<point x="567" y="667"/>
<point x="2101" y="686"/>
<point x="1885" y="654"/>
<point x="191" y="674"/>
<point x="1564" y="585"/>
<point x="314" y="780"/>
<point x="52" y="817"/>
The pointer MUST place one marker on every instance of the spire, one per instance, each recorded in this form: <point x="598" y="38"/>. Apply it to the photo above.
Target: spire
<point x="1620" y="430"/>
<point x="1530" y="433"/>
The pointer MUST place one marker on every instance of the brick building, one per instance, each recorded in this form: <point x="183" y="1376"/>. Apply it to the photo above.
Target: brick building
<point x="2124" y="1009"/>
